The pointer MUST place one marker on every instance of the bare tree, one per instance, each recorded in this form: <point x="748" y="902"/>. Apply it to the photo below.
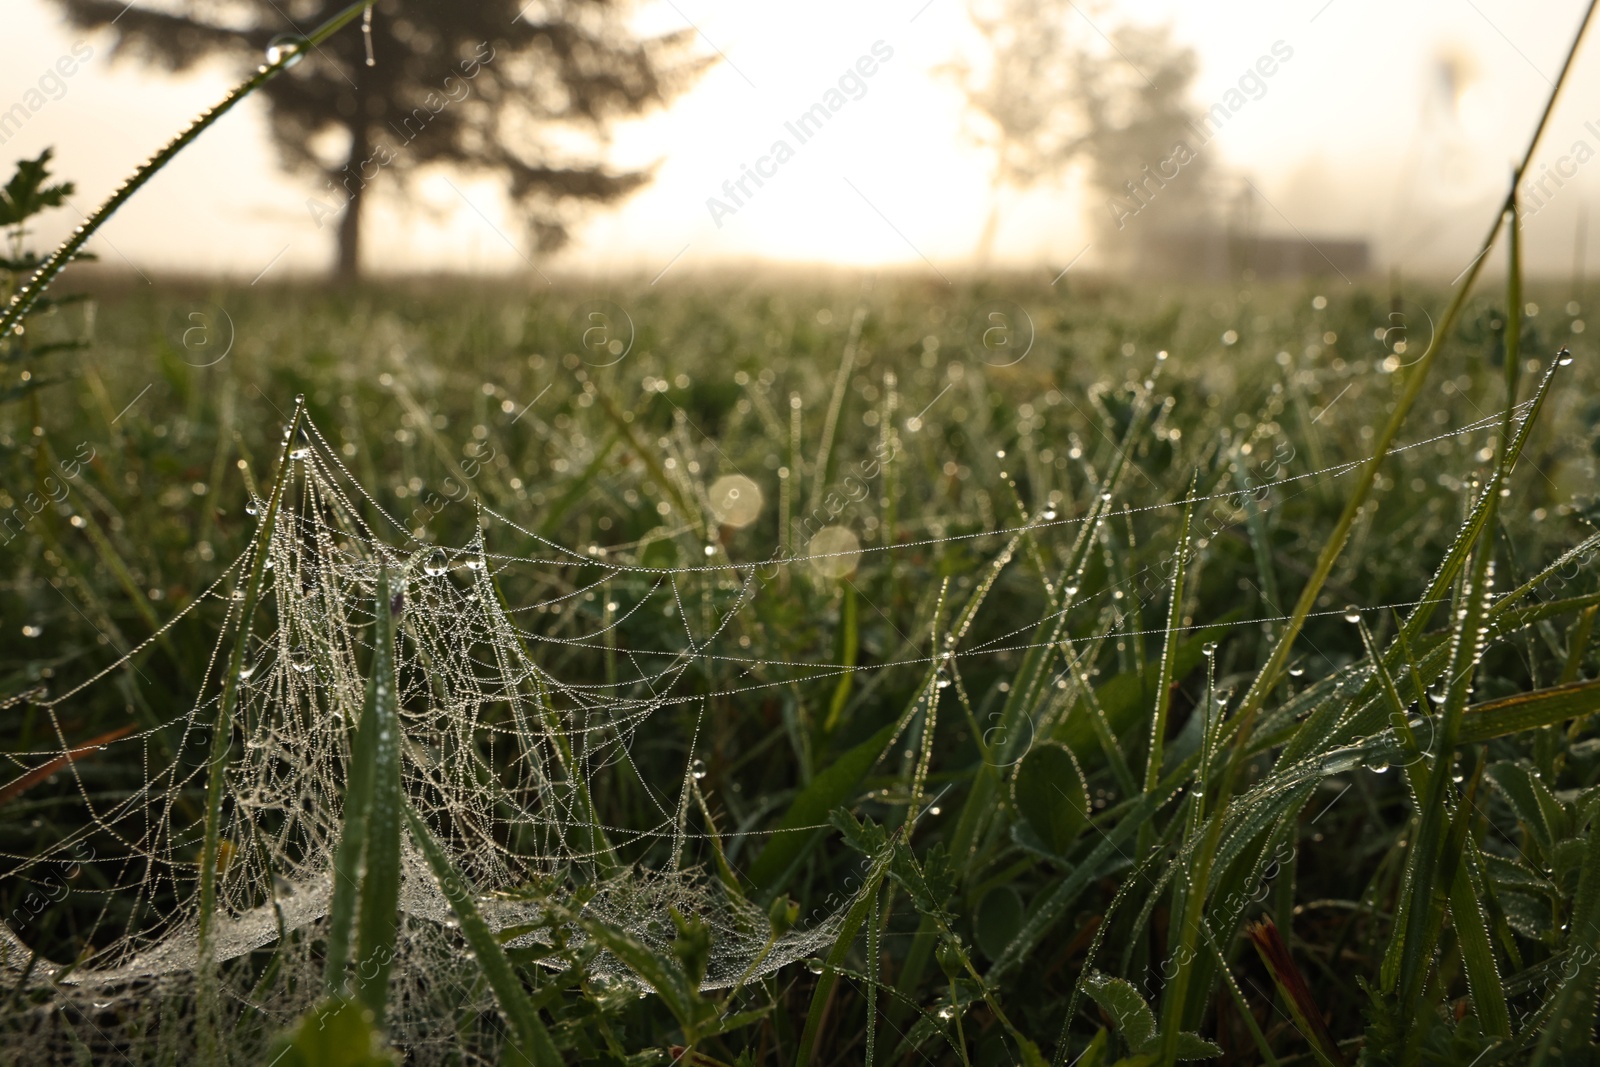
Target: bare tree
<point x="1055" y="91"/>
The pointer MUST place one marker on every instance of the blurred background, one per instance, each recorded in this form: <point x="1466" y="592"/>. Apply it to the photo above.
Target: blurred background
<point x="1340" y="138"/>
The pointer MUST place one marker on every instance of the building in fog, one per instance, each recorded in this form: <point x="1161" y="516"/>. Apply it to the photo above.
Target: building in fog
<point x="1223" y="246"/>
<point x="1222" y="253"/>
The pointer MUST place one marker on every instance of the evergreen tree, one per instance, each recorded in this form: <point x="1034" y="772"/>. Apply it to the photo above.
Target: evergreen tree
<point x="524" y="93"/>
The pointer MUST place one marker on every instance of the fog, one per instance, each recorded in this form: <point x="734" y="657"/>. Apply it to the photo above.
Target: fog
<point x="1392" y="124"/>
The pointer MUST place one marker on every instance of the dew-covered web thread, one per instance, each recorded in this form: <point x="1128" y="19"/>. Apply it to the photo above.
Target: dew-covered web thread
<point x="500" y="751"/>
<point x="498" y="755"/>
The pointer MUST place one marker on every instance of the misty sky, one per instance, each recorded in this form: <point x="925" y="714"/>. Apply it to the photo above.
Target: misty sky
<point x="1398" y="121"/>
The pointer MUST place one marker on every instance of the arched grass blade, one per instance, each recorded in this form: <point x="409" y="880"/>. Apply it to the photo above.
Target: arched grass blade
<point x="531" y="1042"/>
<point x="29" y="294"/>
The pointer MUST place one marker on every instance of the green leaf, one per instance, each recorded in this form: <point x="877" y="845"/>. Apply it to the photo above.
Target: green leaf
<point x="1529" y="711"/>
<point x="1566" y="1036"/>
<point x="845" y="653"/>
<point x="1195" y="1047"/>
<point x="997" y="920"/>
<point x="833" y="787"/>
<point x="26" y="194"/>
<point x="1536" y="807"/>
<point x="1051" y="795"/>
<point x="692" y="946"/>
<point x="929" y="883"/>
<point x="661" y="973"/>
<point x="865" y="836"/>
<point x="836" y="956"/>
<point x="1128" y="1010"/>
<point x="338" y="1032"/>
<point x="351" y="855"/>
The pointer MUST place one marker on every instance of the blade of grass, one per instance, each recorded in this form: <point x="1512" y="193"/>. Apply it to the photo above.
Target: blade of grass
<point x="351" y="853"/>
<point x="222" y="745"/>
<point x="222" y="728"/>
<point x="827" y="791"/>
<point x="1567" y="1035"/>
<point x="1266" y="680"/>
<point x="859" y="909"/>
<point x="26" y="297"/>
<point x="380" y="880"/>
<point x="830" y="425"/>
<point x="1435" y="802"/>
<point x="531" y="1042"/>
<point x="1169" y="652"/>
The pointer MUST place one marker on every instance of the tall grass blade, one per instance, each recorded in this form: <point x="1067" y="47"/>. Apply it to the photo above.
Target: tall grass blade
<point x="223" y="727"/>
<point x="860" y="908"/>
<point x="380" y="880"/>
<point x="26" y="297"/>
<point x="828" y="790"/>
<point x="530" y="1043"/>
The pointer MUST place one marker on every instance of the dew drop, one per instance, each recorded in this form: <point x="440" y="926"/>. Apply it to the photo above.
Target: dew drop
<point x="1378" y="768"/>
<point x="252" y="508"/>
<point x="814" y="965"/>
<point x="698" y="769"/>
<point x="437" y="562"/>
<point x="366" y="35"/>
<point x="1352" y="614"/>
<point x="300" y="454"/>
<point x="285" y="45"/>
<point x="1208" y="649"/>
<point x="1296" y="672"/>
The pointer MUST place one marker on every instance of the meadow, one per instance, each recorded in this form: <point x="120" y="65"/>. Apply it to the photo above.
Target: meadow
<point x="795" y="668"/>
<point x="900" y="657"/>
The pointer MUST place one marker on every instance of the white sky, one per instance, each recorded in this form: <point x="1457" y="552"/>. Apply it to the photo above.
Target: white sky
<point x="1338" y="144"/>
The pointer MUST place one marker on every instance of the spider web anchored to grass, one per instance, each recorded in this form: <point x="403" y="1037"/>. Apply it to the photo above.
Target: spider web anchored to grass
<point x="500" y="755"/>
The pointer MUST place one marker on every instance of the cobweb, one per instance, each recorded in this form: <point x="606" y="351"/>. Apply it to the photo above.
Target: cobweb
<point x="499" y="756"/>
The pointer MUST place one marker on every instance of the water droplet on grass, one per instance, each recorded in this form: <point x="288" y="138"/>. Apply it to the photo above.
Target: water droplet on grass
<point x="285" y="45"/>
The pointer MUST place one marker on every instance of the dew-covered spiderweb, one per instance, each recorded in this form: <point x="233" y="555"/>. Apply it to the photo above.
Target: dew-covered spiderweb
<point x="498" y="757"/>
<point x="500" y="754"/>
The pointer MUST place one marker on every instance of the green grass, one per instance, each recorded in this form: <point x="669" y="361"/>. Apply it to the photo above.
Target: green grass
<point x="1221" y="535"/>
<point x="988" y="901"/>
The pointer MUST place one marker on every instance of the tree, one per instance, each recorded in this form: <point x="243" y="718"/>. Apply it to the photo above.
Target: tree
<point x="1053" y="90"/>
<point x="525" y="94"/>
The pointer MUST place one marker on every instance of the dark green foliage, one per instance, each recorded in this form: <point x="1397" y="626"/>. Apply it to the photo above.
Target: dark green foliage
<point x="1050" y="884"/>
<point x="28" y="194"/>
